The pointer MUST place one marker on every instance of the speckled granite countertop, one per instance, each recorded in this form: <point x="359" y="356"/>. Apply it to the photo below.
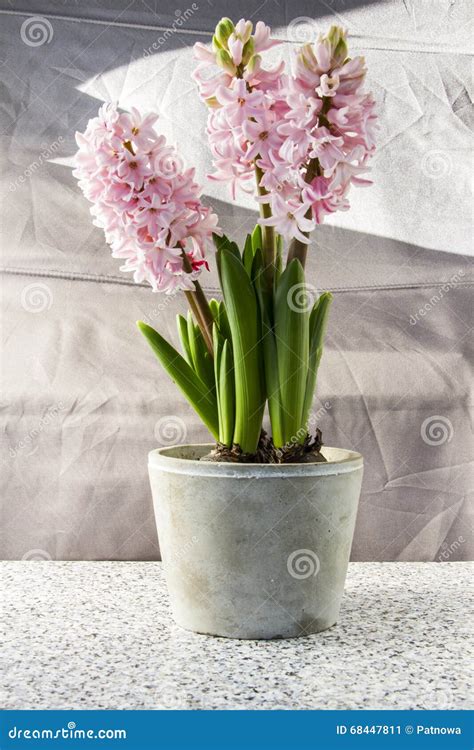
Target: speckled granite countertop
<point x="99" y="635"/>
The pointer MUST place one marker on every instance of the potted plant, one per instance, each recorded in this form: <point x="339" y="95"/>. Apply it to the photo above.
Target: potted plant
<point x="255" y="529"/>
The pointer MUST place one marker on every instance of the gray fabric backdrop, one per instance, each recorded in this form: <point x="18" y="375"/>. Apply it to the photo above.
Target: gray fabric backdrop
<point x="82" y="398"/>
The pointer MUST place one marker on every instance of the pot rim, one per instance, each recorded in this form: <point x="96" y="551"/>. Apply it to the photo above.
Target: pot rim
<point x="340" y="461"/>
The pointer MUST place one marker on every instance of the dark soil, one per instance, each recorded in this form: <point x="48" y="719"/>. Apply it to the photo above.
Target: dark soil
<point x="295" y="453"/>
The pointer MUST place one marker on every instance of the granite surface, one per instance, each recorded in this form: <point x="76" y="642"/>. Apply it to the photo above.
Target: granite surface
<point x="92" y="635"/>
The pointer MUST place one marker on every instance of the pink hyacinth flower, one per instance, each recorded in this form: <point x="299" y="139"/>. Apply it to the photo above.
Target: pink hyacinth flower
<point x="144" y="199"/>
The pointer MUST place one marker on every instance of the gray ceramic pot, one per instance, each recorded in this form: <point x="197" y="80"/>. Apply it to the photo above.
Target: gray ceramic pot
<point x="254" y="550"/>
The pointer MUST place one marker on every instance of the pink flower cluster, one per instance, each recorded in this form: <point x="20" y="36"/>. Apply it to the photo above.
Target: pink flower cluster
<point x="241" y="95"/>
<point x="309" y="134"/>
<point x="144" y="199"/>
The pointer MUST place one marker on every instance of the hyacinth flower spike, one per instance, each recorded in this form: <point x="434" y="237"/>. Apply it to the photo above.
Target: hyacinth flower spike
<point x="298" y="140"/>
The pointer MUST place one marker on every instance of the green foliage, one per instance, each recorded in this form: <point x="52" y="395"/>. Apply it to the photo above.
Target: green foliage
<point x="225" y="387"/>
<point x="292" y="347"/>
<point x="244" y="321"/>
<point x="196" y="391"/>
<point x="292" y="341"/>
<point x="248" y="254"/>
<point x="214" y="306"/>
<point x="267" y="347"/>
<point x="201" y="360"/>
<point x="317" y="330"/>
<point x="182" y="324"/>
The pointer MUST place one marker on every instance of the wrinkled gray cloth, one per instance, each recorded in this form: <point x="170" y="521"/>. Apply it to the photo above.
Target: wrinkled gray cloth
<point x="83" y="399"/>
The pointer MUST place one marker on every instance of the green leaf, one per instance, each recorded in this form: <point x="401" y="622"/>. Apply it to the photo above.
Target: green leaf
<point x="243" y="315"/>
<point x="257" y="267"/>
<point x="278" y="259"/>
<point x="220" y="317"/>
<point x="248" y="254"/>
<point x="225" y="388"/>
<point x="270" y="359"/>
<point x="272" y="381"/>
<point x="292" y="342"/>
<point x="224" y="322"/>
<point x="226" y="395"/>
<point x="201" y="360"/>
<point x="234" y="249"/>
<point x="317" y="330"/>
<point x="214" y="305"/>
<point x="198" y="394"/>
<point x="257" y="240"/>
<point x="223" y="243"/>
<point x="217" y="344"/>
<point x="183" y="337"/>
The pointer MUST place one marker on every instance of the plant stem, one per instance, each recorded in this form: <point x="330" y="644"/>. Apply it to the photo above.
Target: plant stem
<point x="268" y="233"/>
<point x="200" y="307"/>
<point x="299" y="249"/>
<point x="204" y="308"/>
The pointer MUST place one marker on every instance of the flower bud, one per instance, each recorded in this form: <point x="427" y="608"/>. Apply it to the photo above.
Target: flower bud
<point x="216" y="45"/>
<point x="224" y="29"/>
<point x="307" y="57"/>
<point x="224" y="60"/>
<point x="248" y="51"/>
<point x="254" y="63"/>
<point x="337" y="38"/>
<point x="247" y="31"/>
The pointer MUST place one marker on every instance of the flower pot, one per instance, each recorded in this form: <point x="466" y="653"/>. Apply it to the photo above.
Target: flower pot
<point x="254" y="550"/>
